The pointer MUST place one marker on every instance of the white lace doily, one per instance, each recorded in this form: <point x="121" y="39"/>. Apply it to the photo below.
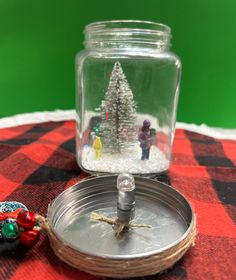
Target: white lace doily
<point x="62" y="115"/>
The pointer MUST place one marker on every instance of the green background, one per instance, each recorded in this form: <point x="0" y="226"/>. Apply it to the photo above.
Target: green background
<point x="39" y="40"/>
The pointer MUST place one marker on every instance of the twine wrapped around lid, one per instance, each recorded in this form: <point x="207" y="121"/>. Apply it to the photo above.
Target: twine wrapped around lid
<point x="135" y="267"/>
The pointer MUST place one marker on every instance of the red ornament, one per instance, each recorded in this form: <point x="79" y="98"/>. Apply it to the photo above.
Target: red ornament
<point x="10" y="215"/>
<point x="26" y="219"/>
<point x="30" y="237"/>
<point x="3" y="216"/>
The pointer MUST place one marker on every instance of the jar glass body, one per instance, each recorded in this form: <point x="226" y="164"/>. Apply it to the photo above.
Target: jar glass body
<point x="127" y="95"/>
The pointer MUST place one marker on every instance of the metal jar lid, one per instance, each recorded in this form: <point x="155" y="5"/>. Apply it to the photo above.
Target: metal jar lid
<point x="157" y="204"/>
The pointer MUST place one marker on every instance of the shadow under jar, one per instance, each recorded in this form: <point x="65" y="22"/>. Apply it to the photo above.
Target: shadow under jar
<point x="127" y="95"/>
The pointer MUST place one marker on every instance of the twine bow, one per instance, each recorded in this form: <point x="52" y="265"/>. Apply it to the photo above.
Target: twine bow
<point x="118" y="226"/>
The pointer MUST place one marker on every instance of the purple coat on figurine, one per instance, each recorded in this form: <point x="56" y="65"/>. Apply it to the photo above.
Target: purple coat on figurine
<point x="145" y="139"/>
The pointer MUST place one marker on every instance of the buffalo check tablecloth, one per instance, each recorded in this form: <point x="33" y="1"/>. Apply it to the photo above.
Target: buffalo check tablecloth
<point x="37" y="162"/>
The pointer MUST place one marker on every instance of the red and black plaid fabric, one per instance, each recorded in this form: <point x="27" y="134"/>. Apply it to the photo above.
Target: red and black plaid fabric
<point x="38" y="163"/>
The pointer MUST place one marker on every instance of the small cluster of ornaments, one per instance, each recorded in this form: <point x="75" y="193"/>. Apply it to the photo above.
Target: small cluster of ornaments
<point x="16" y="222"/>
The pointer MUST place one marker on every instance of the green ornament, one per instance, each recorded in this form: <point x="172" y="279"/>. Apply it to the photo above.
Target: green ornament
<point x="96" y="129"/>
<point x="10" y="231"/>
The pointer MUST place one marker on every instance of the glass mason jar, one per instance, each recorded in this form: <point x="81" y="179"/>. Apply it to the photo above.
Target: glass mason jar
<point x="127" y="95"/>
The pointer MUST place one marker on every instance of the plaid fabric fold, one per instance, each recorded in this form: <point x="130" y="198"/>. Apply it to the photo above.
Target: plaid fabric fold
<point x="37" y="162"/>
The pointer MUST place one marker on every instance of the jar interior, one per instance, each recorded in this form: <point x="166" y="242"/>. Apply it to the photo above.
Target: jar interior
<point x="154" y="86"/>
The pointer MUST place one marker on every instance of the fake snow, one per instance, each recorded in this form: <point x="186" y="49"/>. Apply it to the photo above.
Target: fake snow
<point x="126" y="162"/>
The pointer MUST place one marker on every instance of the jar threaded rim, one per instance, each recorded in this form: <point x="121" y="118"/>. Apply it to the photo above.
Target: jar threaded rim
<point x="131" y="32"/>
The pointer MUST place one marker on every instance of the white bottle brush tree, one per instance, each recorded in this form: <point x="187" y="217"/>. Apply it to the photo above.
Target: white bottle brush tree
<point x="118" y="129"/>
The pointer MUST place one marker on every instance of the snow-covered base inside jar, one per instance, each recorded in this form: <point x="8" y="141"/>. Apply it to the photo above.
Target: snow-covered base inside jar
<point x="125" y="162"/>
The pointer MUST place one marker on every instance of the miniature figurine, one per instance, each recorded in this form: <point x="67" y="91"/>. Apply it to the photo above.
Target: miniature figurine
<point x="153" y="134"/>
<point x="97" y="145"/>
<point x="145" y="139"/>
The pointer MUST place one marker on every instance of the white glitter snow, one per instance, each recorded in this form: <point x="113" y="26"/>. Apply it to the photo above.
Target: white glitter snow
<point x="126" y="162"/>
